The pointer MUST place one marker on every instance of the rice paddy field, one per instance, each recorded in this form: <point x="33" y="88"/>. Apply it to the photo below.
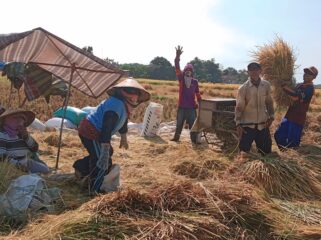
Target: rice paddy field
<point x="176" y="190"/>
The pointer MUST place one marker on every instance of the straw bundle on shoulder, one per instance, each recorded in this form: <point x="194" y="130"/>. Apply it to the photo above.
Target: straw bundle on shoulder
<point x="278" y="63"/>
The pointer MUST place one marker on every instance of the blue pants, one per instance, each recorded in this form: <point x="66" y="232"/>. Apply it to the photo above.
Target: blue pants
<point x="188" y="115"/>
<point x="288" y="134"/>
<point x="88" y="165"/>
<point x="262" y="140"/>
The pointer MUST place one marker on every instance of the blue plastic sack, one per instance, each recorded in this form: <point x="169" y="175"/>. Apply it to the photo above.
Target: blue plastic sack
<point x="89" y="109"/>
<point x="73" y="114"/>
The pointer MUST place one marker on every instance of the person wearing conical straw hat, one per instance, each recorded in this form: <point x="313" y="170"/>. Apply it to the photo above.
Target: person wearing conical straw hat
<point x="254" y="112"/>
<point x="95" y="131"/>
<point x="188" y="91"/>
<point x="16" y="144"/>
<point x="288" y="134"/>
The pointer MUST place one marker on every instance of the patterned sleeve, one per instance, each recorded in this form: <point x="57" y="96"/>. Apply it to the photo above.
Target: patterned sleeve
<point x="3" y="149"/>
<point x="31" y="143"/>
<point x="305" y="94"/>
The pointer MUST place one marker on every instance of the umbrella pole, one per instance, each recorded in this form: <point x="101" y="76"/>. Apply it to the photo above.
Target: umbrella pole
<point x="64" y="114"/>
<point x="10" y="95"/>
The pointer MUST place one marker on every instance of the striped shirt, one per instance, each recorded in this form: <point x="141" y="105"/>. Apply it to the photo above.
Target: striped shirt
<point x="16" y="147"/>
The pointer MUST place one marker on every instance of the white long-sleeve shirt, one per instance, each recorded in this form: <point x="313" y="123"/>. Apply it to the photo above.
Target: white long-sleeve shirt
<point x="254" y="104"/>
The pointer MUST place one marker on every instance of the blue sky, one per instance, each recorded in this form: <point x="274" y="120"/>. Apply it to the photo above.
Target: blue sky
<point x="137" y="31"/>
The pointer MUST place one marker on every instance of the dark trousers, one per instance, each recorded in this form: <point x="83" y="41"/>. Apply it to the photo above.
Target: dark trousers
<point x="262" y="140"/>
<point x="87" y="165"/>
<point x="188" y="115"/>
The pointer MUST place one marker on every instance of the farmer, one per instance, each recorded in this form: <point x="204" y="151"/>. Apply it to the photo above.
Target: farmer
<point x="288" y="134"/>
<point x="95" y="131"/>
<point x="188" y="90"/>
<point x="16" y="144"/>
<point x="254" y="112"/>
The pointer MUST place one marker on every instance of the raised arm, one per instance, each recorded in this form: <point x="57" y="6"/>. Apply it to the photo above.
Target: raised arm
<point x="179" y="51"/>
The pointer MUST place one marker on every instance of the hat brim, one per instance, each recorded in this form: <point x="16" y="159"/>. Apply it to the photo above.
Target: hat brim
<point x="308" y="71"/>
<point x="144" y="96"/>
<point x="28" y="115"/>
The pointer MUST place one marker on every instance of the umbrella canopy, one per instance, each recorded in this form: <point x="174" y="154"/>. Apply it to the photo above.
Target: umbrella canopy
<point x="92" y="75"/>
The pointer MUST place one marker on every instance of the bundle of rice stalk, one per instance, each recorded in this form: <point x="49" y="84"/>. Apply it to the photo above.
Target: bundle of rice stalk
<point x="180" y="197"/>
<point x="307" y="212"/>
<point x="129" y="202"/>
<point x="306" y="232"/>
<point x="282" y="179"/>
<point x="191" y="170"/>
<point x="278" y="63"/>
<point x="52" y="226"/>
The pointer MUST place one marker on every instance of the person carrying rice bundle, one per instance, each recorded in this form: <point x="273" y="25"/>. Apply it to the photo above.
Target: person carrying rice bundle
<point x="278" y="63"/>
<point x="288" y="134"/>
<point x="254" y="112"/>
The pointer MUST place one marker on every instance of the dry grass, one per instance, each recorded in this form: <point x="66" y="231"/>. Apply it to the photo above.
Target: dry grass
<point x="278" y="62"/>
<point x="7" y="173"/>
<point x="192" y="170"/>
<point x="282" y="177"/>
<point x="176" y="191"/>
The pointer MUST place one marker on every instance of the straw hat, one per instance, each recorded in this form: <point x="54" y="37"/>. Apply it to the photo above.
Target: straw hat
<point x="130" y="83"/>
<point x="28" y="115"/>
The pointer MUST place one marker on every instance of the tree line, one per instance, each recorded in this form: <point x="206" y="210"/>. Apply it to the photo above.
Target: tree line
<point x="162" y="69"/>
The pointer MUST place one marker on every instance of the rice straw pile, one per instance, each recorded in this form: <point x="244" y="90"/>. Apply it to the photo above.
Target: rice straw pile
<point x="191" y="170"/>
<point x="278" y="63"/>
<point x="181" y="211"/>
<point x="282" y="178"/>
<point x="304" y="211"/>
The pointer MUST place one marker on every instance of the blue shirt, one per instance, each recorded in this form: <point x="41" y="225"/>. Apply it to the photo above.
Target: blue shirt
<point x="110" y="104"/>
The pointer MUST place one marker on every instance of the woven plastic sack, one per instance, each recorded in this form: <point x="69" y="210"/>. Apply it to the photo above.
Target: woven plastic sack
<point x="73" y="114"/>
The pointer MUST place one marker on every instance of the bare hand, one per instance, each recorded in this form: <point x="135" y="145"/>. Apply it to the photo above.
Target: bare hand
<point x="179" y="50"/>
<point x="23" y="132"/>
<point x="240" y="131"/>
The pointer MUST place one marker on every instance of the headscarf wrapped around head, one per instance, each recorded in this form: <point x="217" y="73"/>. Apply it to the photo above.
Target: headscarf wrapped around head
<point x="189" y="67"/>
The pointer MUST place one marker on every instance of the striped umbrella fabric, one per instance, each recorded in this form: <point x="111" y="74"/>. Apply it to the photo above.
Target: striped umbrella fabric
<point x="92" y="75"/>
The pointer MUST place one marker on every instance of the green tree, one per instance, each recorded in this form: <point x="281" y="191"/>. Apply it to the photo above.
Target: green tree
<point x="161" y="68"/>
<point x="136" y="70"/>
<point x="112" y="61"/>
<point x="207" y="70"/>
<point x="88" y="49"/>
<point x="231" y="75"/>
